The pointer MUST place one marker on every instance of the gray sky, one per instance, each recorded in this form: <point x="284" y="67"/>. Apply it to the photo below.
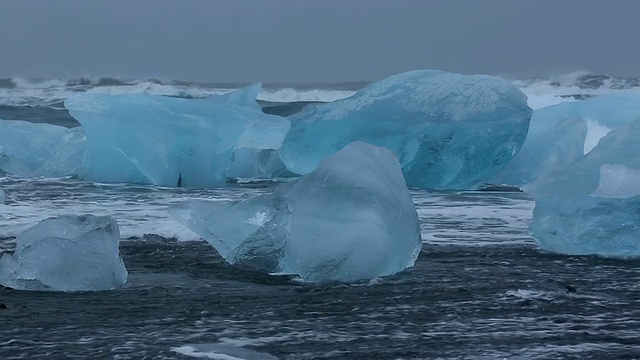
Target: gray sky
<point x="315" y="41"/>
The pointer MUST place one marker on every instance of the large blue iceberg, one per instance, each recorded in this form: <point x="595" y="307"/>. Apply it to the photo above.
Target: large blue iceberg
<point x="593" y="206"/>
<point x="169" y="141"/>
<point x="561" y="134"/>
<point x="69" y="253"/>
<point x="29" y="149"/>
<point x="450" y="131"/>
<point x="350" y="219"/>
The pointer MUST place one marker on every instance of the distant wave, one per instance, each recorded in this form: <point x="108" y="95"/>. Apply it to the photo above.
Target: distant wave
<point x="24" y="83"/>
<point x="21" y="83"/>
<point x="541" y="92"/>
<point x="52" y="92"/>
<point x="585" y="81"/>
<point x="571" y="87"/>
<point x="293" y="95"/>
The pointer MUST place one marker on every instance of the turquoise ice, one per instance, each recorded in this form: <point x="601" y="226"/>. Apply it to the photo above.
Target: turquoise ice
<point x="69" y="253"/>
<point x="169" y="141"/>
<point x="593" y="206"/>
<point x="350" y="219"/>
<point x="66" y="158"/>
<point x="29" y="149"/>
<point x="450" y="131"/>
<point x="253" y="158"/>
<point x="561" y="134"/>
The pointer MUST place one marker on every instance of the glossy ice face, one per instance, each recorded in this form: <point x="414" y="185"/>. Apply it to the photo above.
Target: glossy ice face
<point x="449" y="131"/>
<point x="593" y="206"/>
<point x="561" y="134"/>
<point x="28" y="149"/>
<point x="69" y="253"/>
<point x="350" y="219"/>
<point x="169" y="141"/>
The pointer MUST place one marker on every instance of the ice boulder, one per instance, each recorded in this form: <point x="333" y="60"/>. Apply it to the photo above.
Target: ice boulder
<point x="69" y="253"/>
<point x="450" y="131"/>
<point x="350" y="219"/>
<point x="563" y="133"/>
<point x="25" y="146"/>
<point x="593" y="206"/>
<point x="167" y="141"/>
<point x="34" y="149"/>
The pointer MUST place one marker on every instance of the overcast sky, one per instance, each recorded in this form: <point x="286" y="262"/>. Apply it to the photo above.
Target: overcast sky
<point x="315" y="41"/>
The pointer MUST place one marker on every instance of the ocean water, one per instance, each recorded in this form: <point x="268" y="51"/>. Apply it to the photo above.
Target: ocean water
<point x="480" y="289"/>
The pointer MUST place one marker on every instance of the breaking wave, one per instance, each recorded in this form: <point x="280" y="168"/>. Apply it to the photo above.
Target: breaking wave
<point x="571" y="87"/>
<point x="541" y="92"/>
<point x="52" y="92"/>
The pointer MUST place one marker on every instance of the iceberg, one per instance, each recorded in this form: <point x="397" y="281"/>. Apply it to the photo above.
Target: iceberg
<point x="168" y="141"/>
<point x="587" y="225"/>
<point x="450" y="131"/>
<point x="3" y="197"/>
<point x="69" y="253"/>
<point x="561" y="134"/>
<point x="350" y="219"/>
<point x="592" y="207"/>
<point x="550" y="146"/>
<point x="25" y="146"/>
<point x="30" y="149"/>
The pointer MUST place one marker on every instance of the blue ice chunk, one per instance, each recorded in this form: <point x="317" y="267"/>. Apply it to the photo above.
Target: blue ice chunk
<point x="160" y="140"/>
<point x="3" y="197"/>
<point x="245" y="96"/>
<point x="69" y="253"/>
<point x="25" y="146"/>
<point x="350" y="219"/>
<point x="588" y="225"/>
<point x="30" y="149"/>
<point x="600" y="171"/>
<point x="254" y="155"/>
<point x="450" y="131"/>
<point x="598" y="109"/>
<point x="593" y="206"/>
<point x="563" y="133"/>
<point x="550" y="145"/>
<point x="66" y="158"/>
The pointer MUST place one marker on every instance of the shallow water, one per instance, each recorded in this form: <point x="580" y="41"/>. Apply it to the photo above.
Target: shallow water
<point x="480" y="289"/>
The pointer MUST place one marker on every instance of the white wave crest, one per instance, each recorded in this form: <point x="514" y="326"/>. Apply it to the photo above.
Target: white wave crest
<point x="21" y="83"/>
<point x="541" y="92"/>
<point x="51" y="93"/>
<point x="293" y="95"/>
<point x="221" y="352"/>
